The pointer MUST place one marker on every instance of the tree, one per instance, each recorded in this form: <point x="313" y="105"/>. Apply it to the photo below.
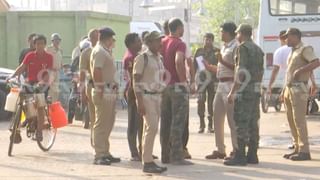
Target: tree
<point x="238" y="11"/>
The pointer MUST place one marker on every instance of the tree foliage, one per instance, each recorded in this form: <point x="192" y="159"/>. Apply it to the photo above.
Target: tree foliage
<point x="220" y="11"/>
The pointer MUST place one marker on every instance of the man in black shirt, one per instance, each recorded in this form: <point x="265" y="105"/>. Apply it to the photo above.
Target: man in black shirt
<point x="31" y="47"/>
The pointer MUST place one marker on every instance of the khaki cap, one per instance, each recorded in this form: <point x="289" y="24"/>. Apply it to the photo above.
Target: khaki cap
<point x="154" y="35"/>
<point x="244" y="28"/>
<point x="292" y="31"/>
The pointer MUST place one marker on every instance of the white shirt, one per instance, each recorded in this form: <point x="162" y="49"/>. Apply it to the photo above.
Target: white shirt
<point x="280" y="57"/>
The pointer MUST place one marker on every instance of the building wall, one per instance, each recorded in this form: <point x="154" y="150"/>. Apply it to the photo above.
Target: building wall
<point x="16" y="26"/>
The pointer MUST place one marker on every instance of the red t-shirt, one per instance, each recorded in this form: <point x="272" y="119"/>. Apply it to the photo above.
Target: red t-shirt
<point x="37" y="65"/>
<point x="128" y="61"/>
<point x="170" y="46"/>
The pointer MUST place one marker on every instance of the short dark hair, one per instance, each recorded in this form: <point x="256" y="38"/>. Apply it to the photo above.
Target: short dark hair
<point x="282" y="34"/>
<point x="229" y="27"/>
<point x="31" y="36"/>
<point x="174" y="24"/>
<point x="106" y="33"/>
<point x="209" y="35"/>
<point x="166" y="27"/>
<point x="39" y="37"/>
<point x="130" y="39"/>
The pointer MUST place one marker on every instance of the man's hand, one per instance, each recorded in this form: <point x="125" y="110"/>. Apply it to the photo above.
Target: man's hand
<point x="193" y="89"/>
<point x="218" y="56"/>
<point x="269" y="91"/>
<point x="141" y="108"/>
<point x="230" y="98"/>
<point x="314" y="90"/>
<point x="84" y="98"/>
<point x="281" y="96"/>
<point x="209" y="67"/>
<point x="8" y="79"/>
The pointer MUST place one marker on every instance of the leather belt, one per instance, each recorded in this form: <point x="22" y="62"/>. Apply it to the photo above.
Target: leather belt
<point x="150" y="93"/>
<point x="226" y="79"/>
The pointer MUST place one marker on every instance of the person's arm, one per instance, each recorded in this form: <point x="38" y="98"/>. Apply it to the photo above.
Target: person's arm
<point x="274" y="74"/>
<point x="98" y="64"/>
<point x="309" y="56"/>
<point x="223" y="62"/>
<point x="192" y="75"/>
<point x="240" y="76"/>
<point x="307" y="68"/>
<point x="22" y="68"/>
<point x="83" y="71"/>
<point x="137" y="85"/>
<point x="313" y="85"/>
<point x="210" y="67"/>
<point x="180" y="66"/>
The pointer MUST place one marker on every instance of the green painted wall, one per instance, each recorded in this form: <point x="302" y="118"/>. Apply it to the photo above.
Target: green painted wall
<point x="70" y="25"/>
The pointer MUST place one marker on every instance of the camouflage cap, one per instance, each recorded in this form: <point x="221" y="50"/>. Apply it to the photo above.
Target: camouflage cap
<point x="244" y="28"/>
<point x="154" y="35"/>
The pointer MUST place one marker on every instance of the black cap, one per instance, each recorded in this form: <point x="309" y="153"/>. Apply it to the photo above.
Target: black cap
<point x="229" y="27"/>
<point x="107" y="31"/>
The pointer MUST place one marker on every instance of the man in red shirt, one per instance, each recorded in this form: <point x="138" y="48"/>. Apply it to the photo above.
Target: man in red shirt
<point x="174" y="107"/>
<point x="37" y="65"/>
<point x="135" y="122"/>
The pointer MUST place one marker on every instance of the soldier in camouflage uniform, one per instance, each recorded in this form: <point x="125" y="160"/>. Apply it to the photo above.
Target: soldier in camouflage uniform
<point x="247" y="85"/>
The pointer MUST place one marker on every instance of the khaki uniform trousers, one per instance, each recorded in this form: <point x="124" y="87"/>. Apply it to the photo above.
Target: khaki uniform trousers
<point x="221" y="108"/>
<point x="295" y="99"/>
<point x="91" y="108"/>
<point x="105" y="113"/>
<point x="152" y="104"/>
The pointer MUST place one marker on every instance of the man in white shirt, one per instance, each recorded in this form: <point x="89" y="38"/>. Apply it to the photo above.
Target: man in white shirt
<point x="280" y="59"/>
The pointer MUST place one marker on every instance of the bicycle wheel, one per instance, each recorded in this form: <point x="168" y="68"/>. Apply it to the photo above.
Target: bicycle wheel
<point x="16" y="122"/>
<point x="48" y="134"/>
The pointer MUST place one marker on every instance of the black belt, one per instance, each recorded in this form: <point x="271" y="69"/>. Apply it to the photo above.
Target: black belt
<point x="150" y="93"/>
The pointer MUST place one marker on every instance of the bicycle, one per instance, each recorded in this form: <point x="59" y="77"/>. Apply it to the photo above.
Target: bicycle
<point x="48" y="132"/>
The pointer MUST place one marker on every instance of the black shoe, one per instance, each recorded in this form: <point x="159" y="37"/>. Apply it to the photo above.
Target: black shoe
<point x="113" y="159"/>
<point x="153" y="168"/>
<point x="17" y="139"/>
<point x="287" y="156"/>
<point x="235" y="162"/>
<point x="102" y="161"/>
<point x="181" y="163"/>
<point x="201" y="130"/>
<point x="252" y="159"/>
<point x="301" y="157"/>
<point x="231" y="155"/>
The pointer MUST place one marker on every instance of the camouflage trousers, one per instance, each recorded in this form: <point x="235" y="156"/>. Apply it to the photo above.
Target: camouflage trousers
<point x="174" y="111"/>
<point x="206" y="94"/>
<point x="246" y="116"/>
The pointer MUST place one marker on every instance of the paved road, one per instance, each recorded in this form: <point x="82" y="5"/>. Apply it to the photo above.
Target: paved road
<point x="72" y="156"/>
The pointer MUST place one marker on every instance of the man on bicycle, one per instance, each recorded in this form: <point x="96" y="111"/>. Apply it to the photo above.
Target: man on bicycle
<point x="37" y="65"/>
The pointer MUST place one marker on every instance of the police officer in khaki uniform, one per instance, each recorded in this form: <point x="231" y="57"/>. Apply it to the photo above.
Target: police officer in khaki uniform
<point x="57" y="53"/>
<point x="103" y="95"/>
<point x="148" y="71"/>
<point x="86" y="82"/>
<point x="302" y="61"/>
<point x="246" y="87"/>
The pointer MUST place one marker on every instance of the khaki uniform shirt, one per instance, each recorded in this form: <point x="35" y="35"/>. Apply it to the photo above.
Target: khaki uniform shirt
<point x="85" y="61"/>
<point x="102" y="58"/>
<point x="300" y="56"/>
<point x="228" y="55"/>
<point x="152" y="73"/>
<point x="57" y="57"/>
